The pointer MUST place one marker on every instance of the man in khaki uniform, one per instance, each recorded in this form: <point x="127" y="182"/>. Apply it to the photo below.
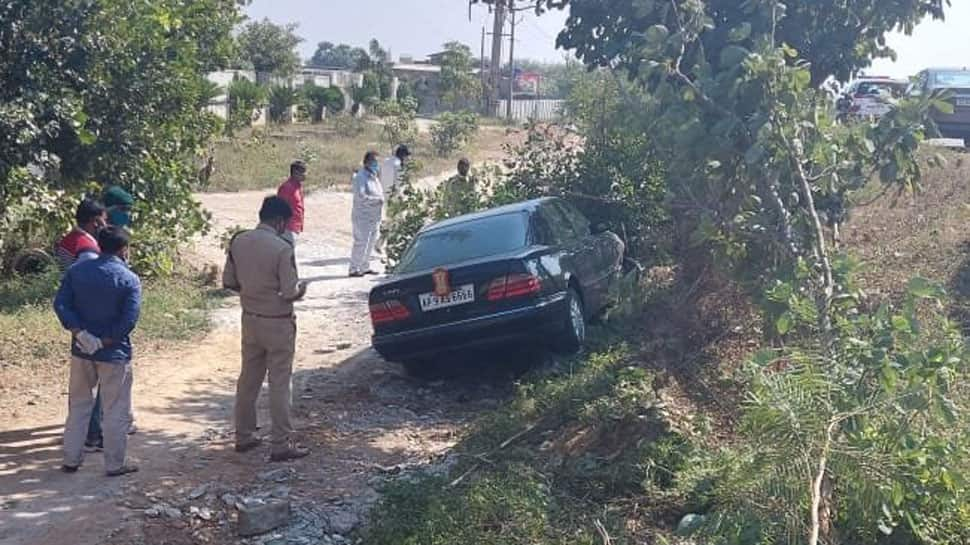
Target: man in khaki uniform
<point x="261" y="267"/>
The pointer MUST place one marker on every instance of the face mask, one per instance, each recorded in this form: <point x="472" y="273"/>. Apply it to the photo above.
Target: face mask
<point x="372" y="166"/>
<point x="120" y="218"/>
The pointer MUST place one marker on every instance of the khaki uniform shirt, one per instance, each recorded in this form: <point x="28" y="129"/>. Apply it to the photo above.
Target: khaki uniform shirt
<point x="261" y="266"/>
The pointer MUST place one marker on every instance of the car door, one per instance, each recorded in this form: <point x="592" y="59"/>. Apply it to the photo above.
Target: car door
<point x="585" y="251"/>
<point x="604" y="251"/>
<point x="573" y="257"/>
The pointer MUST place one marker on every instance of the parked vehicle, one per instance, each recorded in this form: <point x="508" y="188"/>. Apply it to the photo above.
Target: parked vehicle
<point x="531" y="271"/>
<point x="954" y="124"/>
<point x="870" y="97"/>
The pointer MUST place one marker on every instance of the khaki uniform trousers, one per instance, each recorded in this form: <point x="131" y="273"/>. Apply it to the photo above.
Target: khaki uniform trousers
<point x="116" y="380"/>
<point x="268" y="345"/>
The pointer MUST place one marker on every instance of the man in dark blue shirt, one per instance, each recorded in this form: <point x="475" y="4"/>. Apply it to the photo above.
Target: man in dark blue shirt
<point x="99" y="303"/>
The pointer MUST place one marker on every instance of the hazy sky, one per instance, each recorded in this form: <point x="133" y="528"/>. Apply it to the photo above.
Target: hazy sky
<point x="419" y="27"/>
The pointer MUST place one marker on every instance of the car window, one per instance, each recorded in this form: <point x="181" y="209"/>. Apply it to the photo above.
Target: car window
<point x="952" y="79"/>
<point x="877" y="88"/>
<point x="560" y="229"/>
<point x="467" y="240"/>
<point x="580" y="225"/>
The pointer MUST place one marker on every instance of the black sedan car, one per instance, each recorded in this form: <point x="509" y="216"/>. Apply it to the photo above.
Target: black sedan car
<point x="531" y="271"/>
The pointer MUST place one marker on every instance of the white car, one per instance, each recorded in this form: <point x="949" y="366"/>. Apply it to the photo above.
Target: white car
<point x="870" y="97"/>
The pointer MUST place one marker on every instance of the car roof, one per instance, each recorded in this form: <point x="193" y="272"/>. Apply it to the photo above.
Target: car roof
<point x="524" y="206"/>
<point x="878" y="80"/>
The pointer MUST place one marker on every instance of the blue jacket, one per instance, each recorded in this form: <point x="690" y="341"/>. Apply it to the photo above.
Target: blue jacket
<point x="103" y="297"/>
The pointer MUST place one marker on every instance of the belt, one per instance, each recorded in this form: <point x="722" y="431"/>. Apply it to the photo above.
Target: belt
<point x="279" y="317"/>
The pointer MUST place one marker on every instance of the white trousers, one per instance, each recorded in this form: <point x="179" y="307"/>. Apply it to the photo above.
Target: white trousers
<point x="366" y="227"/>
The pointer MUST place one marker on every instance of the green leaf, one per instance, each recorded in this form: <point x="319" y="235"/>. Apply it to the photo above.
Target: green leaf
<point x="784" y="323"/>
<point x="733" y="55"/>
<point x="740" y="33"/>
<point x="901" y="324"/>
<point x="656" y="35"/>
<point x="944" y="107"/>
<point x="924" y="289"/>
<point x="86" y="137"/>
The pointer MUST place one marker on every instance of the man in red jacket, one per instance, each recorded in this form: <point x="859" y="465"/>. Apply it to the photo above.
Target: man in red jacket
<point x="81" y="243"/>
<point x="292" y="192"/>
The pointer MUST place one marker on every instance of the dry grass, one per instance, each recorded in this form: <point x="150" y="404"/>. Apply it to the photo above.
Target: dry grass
<point x="918" y="235"/>
<point x="260" y="159"/>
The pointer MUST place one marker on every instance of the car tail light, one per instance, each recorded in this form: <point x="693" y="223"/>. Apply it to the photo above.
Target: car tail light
<point x="388" y="311"/>
<point x="513" y="285"/>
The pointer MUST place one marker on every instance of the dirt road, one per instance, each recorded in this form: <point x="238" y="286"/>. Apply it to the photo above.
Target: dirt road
<point x="361" y="417"/>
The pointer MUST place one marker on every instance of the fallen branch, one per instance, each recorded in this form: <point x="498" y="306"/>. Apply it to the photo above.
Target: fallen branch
<point x="604" y="535"/>
<point x="484" y="456"/>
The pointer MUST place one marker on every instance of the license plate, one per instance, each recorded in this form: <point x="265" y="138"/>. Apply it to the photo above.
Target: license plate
<point x="463" y="295"/>
<point x="964" y="102"/>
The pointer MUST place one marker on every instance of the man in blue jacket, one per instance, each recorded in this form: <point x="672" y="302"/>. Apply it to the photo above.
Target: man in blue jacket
<point x="99" y="302"/>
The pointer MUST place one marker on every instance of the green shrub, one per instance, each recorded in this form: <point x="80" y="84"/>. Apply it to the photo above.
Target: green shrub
<point x="281" y="101"/>
<point x="399" y="124"/>
<point x="453" y="131"/>
<point x="320" y="100"/>
<point x="246" y="99"/>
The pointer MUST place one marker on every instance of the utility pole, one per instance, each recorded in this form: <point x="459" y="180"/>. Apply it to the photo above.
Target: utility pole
<point x="483" y="95"/>
<point x="508" y="108"/>
<point x="495" y="70"/>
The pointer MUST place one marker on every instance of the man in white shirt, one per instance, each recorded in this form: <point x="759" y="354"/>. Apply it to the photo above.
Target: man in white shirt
<point x="392" y="168"/>
<point x="390" y="178"/>
<point x="366" y="214"/>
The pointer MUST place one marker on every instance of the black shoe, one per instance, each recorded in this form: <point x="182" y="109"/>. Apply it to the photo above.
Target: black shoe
<point x="356" y="274"/>
<point x="371" y="272"/>
<point x="69" y="469"/>
<point x="291" y="453"/>
<point x="246" y="447"/>
<point x="123" y="470"/>
<point x="94" y="446"/>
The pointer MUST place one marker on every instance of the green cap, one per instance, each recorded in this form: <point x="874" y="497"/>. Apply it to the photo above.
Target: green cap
<point x="116" y="196"/>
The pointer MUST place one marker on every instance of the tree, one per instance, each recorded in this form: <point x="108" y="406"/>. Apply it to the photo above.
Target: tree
<point x="457" y="84"/>
<point x="840" y="37"/>
<point x="69" y="72"/>
<point x="317" y="100"/>
<point x="271" y="48"/>
<point x="759" y="173"/>
<point x="342" y="56"/>
<point x="281" y="99"/>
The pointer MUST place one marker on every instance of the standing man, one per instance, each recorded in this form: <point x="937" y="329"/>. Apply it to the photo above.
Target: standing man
<point x="261" y="267"/>
<point x="99" y="302"/>
<point x="366" y="214"/>
<point x="291" y="191"/>
<point x="390" y="173"/>
<point x="458" y="195"/>
<point x="119" y="204"/>
<point x="81" y="243"/>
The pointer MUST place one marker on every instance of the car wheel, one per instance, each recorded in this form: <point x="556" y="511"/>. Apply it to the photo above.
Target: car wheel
<point x="574" y="329"/>
<point x="966" y="143"/>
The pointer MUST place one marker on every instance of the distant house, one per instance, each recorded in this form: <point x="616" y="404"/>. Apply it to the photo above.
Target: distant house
<point x="423" y="77"/>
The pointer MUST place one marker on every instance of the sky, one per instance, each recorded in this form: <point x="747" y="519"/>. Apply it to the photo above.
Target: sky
<point x="420" y="27"/>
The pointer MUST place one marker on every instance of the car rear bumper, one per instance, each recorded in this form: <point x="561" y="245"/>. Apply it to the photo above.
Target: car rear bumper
<point x="536" y="321"/>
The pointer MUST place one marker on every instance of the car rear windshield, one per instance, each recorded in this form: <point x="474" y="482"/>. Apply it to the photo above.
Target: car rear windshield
<point x="953" y="79"/>
<point x="472" y="239"/>
<point x="881" y="87"/>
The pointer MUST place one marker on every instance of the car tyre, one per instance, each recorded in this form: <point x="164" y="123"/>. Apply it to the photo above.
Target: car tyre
<point x="966" y="143"/>
<point x="573" y="334"/>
